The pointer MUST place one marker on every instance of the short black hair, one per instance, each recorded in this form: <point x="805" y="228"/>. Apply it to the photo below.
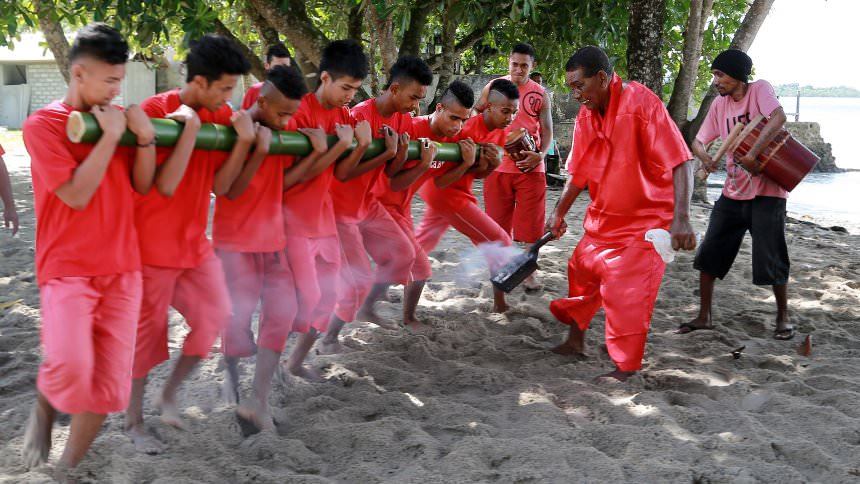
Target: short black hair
<point x="288" y="80"/>
<point x="344" y="58"/>
<point x="461" y="92"/>
<point x="524" y="48"/>
<point x="277" y="50"/>
<point x="212" y="56"/>
<point x="506" y="88"/>
<point x="410" y="68"/>
<point x="535" y="74"/>
<point x="591" y="59"/>
<point x="99" y="41"/>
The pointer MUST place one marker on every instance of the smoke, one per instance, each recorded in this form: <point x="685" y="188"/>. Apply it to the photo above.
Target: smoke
<point x="478" y="262"/>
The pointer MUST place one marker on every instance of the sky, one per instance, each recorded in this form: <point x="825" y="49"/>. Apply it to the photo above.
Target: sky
<point x="811" y="42"/>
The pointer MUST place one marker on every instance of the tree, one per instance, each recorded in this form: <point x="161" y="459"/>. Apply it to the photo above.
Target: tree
<point x="645" y="43"/>
<point x="682" y="91"/>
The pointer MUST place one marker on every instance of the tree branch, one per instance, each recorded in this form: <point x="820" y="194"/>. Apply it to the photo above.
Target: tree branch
<point x="52" y="29"/>
<point x="257" y="67"/>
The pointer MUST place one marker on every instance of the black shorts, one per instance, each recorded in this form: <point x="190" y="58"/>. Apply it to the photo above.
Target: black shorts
<point x="764" y="217"/>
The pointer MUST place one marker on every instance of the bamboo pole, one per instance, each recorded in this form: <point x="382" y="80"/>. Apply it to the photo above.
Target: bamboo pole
<point x="83" y="128"/>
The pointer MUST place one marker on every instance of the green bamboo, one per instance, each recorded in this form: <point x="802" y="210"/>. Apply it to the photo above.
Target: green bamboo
<point x="83" y="128"/>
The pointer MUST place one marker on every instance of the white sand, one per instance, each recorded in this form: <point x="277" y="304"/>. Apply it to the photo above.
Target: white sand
<point x="479" y="398"/>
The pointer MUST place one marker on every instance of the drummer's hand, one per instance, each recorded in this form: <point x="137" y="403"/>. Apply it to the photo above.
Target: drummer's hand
<point x="530" y="162"/>
<point x="556" y="225"/>
<point x="750" y="164"/>
<point x="683" y="236"/>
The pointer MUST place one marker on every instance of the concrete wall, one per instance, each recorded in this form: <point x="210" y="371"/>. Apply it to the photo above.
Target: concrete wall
<point x="46" y="84"/>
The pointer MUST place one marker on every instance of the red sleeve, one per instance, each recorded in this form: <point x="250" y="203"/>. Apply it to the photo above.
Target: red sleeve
<point x="665" y="148"/>
<point x="251" y="96"/>
<point x="577" y="150"/>
<point x="52" y="162"/>
<point x="1" y="151"/>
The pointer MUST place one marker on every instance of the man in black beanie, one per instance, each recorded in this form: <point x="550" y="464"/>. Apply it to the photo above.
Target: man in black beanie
<point x="749" y="202"/>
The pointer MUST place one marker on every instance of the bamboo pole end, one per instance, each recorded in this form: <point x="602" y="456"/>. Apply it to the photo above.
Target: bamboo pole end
<point x="76" y="127"/>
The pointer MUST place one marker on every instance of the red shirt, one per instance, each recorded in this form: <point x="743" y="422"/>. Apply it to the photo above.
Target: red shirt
<point x="402" y="200"/>
<point x="251" y="96"/>
<point x="528" y="117"/>
<point x="308" y="210"/>
<point x="626" y="158"/>
<point x="173" y="229"/>
<point x="98" y="240"/>
<point x="460" y="193"/>
<point x="353" y="198"/>
<point x="254" y="221"/>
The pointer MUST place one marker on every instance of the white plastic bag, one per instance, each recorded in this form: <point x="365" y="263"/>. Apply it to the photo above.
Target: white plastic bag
<point x="662" y="241"/>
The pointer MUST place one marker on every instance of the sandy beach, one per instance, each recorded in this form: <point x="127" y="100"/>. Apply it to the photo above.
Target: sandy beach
<point x="480" y="399"/>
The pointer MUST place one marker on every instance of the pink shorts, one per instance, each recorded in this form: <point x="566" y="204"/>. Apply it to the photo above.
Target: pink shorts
<point x="88" y="330"/>
<point x="421" y="269"/>
<point x="381" y="237"/>
<point x="466" y="218"/>
<point x="315" y="264"/>
<point x="624" y="279"/>
<point x="265" y="278"/>
<point x="199" y="294"/>
<point x="517" y="202"/>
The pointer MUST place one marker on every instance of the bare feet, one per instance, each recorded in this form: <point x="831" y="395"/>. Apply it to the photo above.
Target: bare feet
<point x="170" y="413"/>
<point x="701" y="322"/>
<point x="616" y="375"/>
<point x="305" y="373"/>
<point x="257" y="414"/>
<point x="531" y="284"/>
<point x="144" y="442"/>
<point x="370" y="315"/>
<point x="37" y="438"/>
<point x="335" y="348"/>
<point x="574" y="344"/>
<point x="415" y="326"/>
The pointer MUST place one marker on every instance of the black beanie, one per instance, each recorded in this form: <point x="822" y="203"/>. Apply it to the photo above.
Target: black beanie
<point x="735" y="63"/>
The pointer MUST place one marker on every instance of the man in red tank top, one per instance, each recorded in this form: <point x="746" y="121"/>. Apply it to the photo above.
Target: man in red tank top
<point x="515" y="194"/>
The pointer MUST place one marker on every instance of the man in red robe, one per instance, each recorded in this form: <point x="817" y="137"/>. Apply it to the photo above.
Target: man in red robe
<point x="630" y="155"/>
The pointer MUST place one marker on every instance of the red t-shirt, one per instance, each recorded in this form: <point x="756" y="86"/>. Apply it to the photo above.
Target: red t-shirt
<point x="402" y="200"/>
<point x="353" y="198"/>
<point x="254" y="221"/>
<point x="528" y="117"/>
<point x="460" y="193"/>
<point x="98" y="240"/>
<point x="173" y="229"/>
<point x="308" y="210"/>
<point x="626" y="158"/>
<point x="251" y="96"/>
<point x="1" y="151"/>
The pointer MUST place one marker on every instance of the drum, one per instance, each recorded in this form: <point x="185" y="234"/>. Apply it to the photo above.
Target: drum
<point x="784" y="160"/>
<point x="517" y="142"/>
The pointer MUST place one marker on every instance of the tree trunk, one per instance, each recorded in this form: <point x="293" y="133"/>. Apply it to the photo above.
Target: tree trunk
<point x="267" y="33"/>
<point x="449" y="34"/>
<point x="411" y="43"/>
<point x="355" y="23"/>
<point x="384" y="30"/>
<point x="679" y="103"/>
<point x="742" y="40"/>
<point x="51" y="28"/>
<point x="645" y="43"/>
<point x="257" y="67"/>
<point x="293" y="21"/>
<point x="495" y="15"/>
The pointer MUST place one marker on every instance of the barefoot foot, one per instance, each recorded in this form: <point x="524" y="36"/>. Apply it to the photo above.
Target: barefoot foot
<point x="37" y="439"/>
<point x="143" y="441"/>
<point x="257" y="415"/>
<point x="335" y="348"/>
<point x="370" y="315"/>
<point x="305" y="373"/>
<point x="170" y="414"/>
<point x="615" y="375"/>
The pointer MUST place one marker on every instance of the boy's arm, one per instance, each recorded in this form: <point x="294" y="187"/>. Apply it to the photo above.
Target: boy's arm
<point x="10" y="215"/>
<point x="226" y="175"/>
<point x="344" y="140"/>
<point x="467" y="148"/>
<point x="170" y="173"/>
<point x="346" y="168"/>
<point x="300" y="168"/>
<point x="249" y="169"/>
<point x="143" y="165"/>
<point x="79" y="190"/>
